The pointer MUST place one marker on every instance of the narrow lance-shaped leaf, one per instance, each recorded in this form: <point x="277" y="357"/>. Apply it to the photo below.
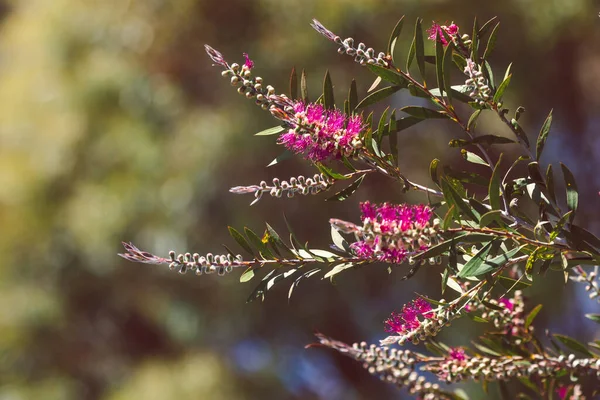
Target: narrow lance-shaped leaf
<point x="491" y="42"/>
<point x="473" y="266"/>
<point x="473" y="158"/>
<point x="352" y="96"/>
<point x="411" y="55"/>
<point x="475" y="42"/>
<point x="494" y="188"/>
<point x="240" y="240"/>
<point x="573" y="344"/>
<point x="282" y="157"/>
<point x="433" y="170"/>
<point x="393" y="138"/>
<point x="422" y="112"/>
<point x="500" y="91"/>
<point x="388" y="75"/>
<point x="572" y="192"/>
<point x="403" y="123"/>
<point x="293" y="84"/>
<point x="446" y="69"/>
<point x="304" y="87"/>
<point x="550" y="183"/>
<point x="328" y="100"/>
<point x="420" y="48"/>
<point x="271" y="131"/>
<point x="439" y="60"/>
<point x="452" y="197"/>
<point x="473" y="120"/>
<point x="378" y="95"/>
<point x="347" y="192"/>
<point x="531" y="316"/>
<point x="543" y="136"/>
<point x="381" y="127"/>
<point x="394" y="37"/>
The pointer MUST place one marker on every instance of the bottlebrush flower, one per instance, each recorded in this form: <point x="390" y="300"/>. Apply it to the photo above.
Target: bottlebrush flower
<point x="249" y="63"/>
<point x="391" y="233"/>
<point x="457" y="354"/>
<point x="317" y="133"/>
<point x="451" y="30"/>
<point x="407" y="320"/>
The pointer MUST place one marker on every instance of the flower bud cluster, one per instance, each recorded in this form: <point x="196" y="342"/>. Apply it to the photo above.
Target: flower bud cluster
<point x="361" y="53"/>
<point x="511" y="319"/>
<point x="391" y="365"/>
<point x="410" y="328"/>
<point x="317" y="133"/>
<point x="476" y="83"/>
<point x="241" y="77"/>
<point x="207" y="264"/>
<point x="296" y="185"/>
<point x="503" y="368"/>
<point x="391" y="233"/>
<point x="591" y="281"/>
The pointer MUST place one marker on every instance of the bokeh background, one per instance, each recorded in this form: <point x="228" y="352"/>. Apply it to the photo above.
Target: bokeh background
<point x="114" y="126"/>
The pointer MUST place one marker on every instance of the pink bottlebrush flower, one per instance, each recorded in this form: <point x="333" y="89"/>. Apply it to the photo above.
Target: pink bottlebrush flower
<point x="408" y="319"/>
<point x="451" y="30"/>
<point x="390" y="231"/>
<point x="562" y="392"/>
<point x="362" y="249"/>
<point x="332" y="134"/>
<point x="249" y="63"/>
<point x="457" y="354"/>
<point x="507" y="303"/>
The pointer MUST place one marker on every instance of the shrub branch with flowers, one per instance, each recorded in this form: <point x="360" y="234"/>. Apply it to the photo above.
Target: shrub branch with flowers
<point x="478" y="230"/>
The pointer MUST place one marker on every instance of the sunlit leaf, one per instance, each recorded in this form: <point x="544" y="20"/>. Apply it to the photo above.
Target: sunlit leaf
<point x="541" y="140"/>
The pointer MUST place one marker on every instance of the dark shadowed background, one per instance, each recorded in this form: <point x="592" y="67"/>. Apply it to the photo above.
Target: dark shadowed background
<point x="114" y="126"/>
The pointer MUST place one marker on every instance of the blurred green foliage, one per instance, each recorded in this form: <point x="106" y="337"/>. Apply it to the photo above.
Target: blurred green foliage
<point x="114" y="126"/>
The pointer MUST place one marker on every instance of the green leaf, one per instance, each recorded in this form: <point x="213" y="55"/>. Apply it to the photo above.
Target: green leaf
<point x="274" y="237"/>
<point x="403" y="123"/>
<point x="550" y="184"/>
<point x="330" y="172"/>
<point x="304" y="87"/>
<point x="352" y="96"/>
<point x="459" y="61"/>
<point x="382" y="126"/>
<point x="420" y="48"/>
<point x="473" y="120"/>
<point x="439" y="60"/>
<point x="593" y="317"/>
<point x="446" y="70"/>
<point x="486" y="27"/>
<point x="491" y="42"/>
<point x="271" y="131"/>
<point x="393" y="138"/>
<point x="572" y="192"/>
<point x="541" y="140"/>
<point x="475" y="264"/>
<point x="293" y="84"/>
<point x="560" y="225"/>
<point x="377" y="96"/>
<point x="394" y="37"/>
<point x="519" y="132"/>
<point x="494" y="188"/>
<point x="459" y="92"/>
<point x="374" y="85"/>
<point x="452" y="197"/>
<point x="475" y="42"/>
<point x="328" y="100"/>
<point x="388" y="75"/>
<point x="497" y="262"/>
<point x="347" y="192"/>
<point x="422" y="112"/>
<point x="500" y="91"/>
<point x="282" y="157"/>
<point x="483" y="140"/>
<point x="258" y="243"/>
<point x="491" y="216"/>
<point x="247" y="275"/>
<point x="433" y="170"/>
<point x="573" y="344"/>
<point x="240" y="240"/>
<point x="473" y="158"/>
<point x="411" y="54"/>
<point x="338" y="240"/>
<point x="531" y="316"/>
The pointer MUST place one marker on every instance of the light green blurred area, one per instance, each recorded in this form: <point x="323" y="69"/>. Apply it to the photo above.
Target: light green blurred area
<point x="114" y="126"/>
